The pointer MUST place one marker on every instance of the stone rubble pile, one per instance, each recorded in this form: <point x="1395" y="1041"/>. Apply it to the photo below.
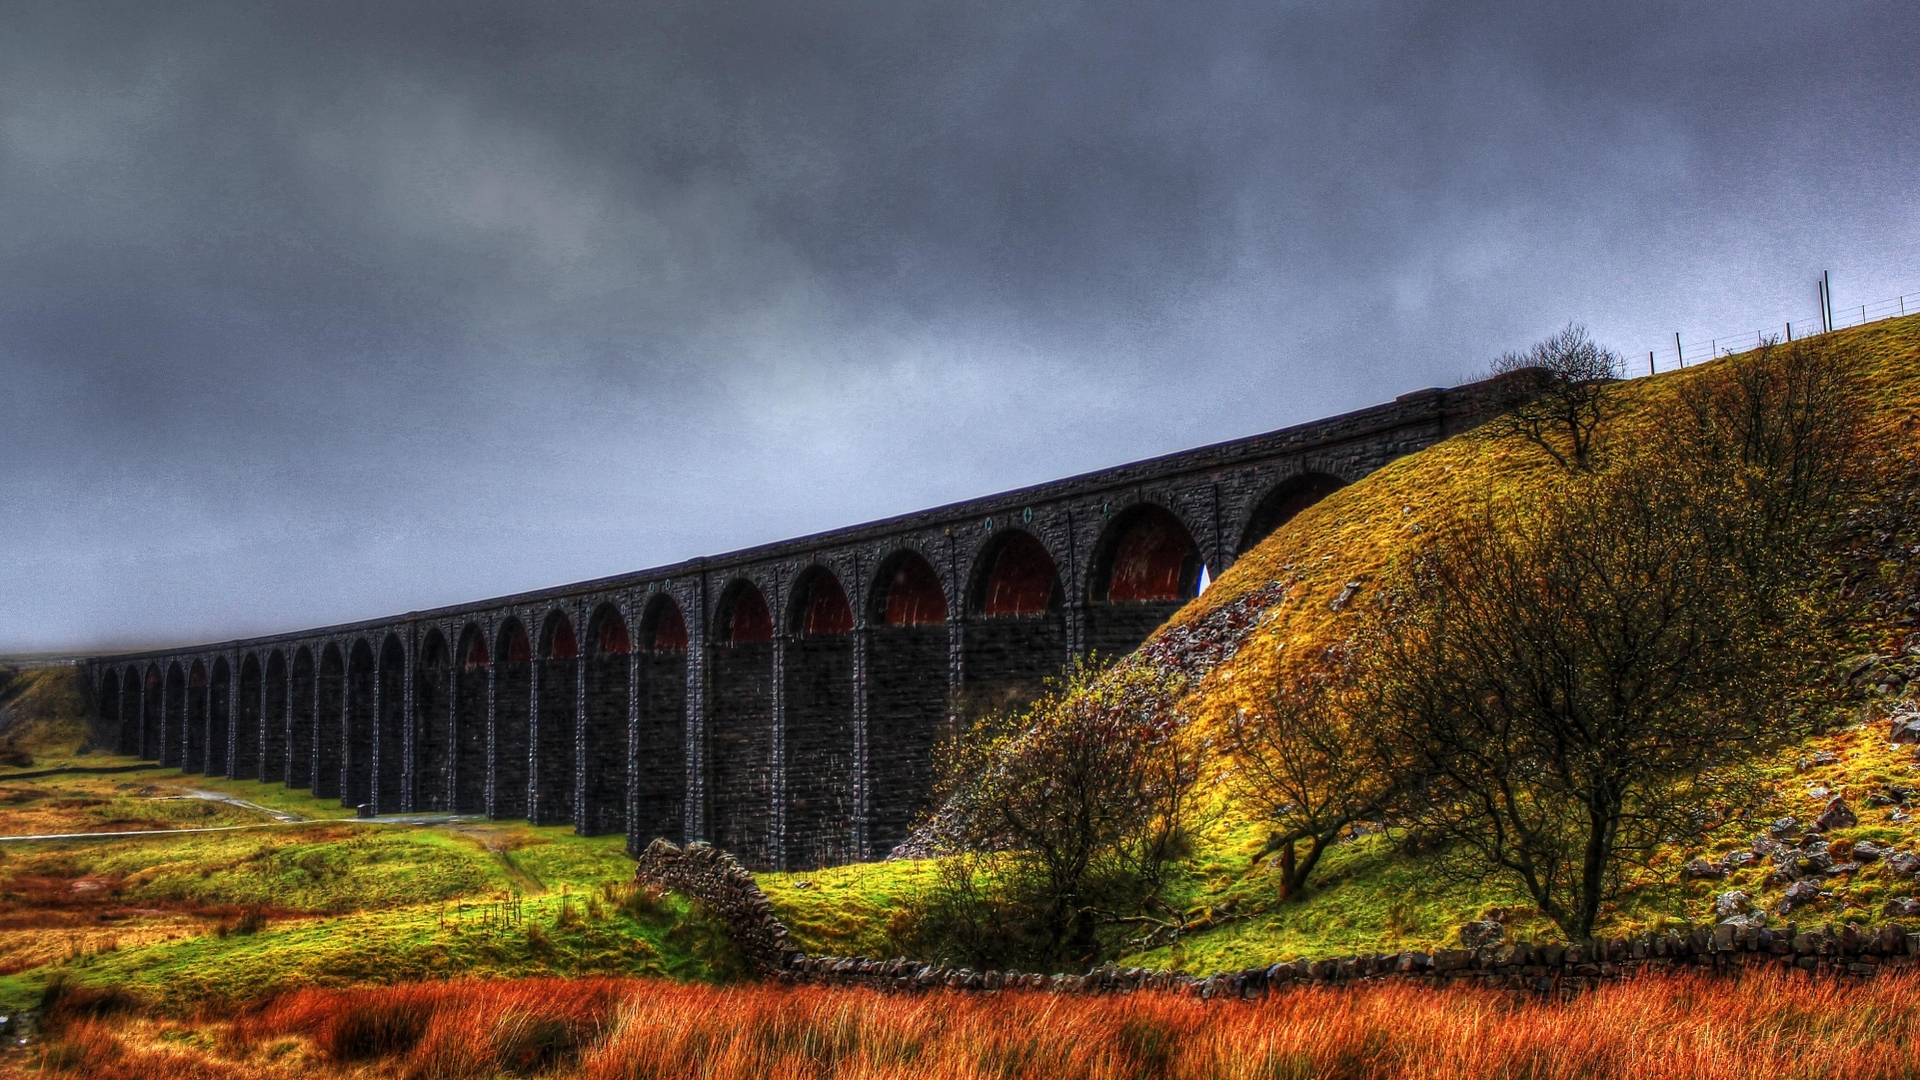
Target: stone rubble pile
<point x="1739" y="942"/>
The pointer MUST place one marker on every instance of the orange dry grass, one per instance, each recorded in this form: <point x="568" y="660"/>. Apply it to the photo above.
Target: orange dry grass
<point x="1653" y="1029"/>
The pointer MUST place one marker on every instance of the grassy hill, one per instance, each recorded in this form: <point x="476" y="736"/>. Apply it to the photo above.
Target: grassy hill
<point x="1303" y="586"/>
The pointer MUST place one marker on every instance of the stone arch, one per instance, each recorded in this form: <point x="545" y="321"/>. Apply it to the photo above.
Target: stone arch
<point x="219" y="717"/>
<point x="195" y="759"/>
<point x="247" y="717"/>
<point x="660" y="800"/>
<point x="554" y="734"/>
<point x="819" y="695"/>
<point x="273" y="732"/>
<point x="512" y="718"/>
<point x="431" y="734"/>
<point x="907" y="685"/>
<point x="302" y="690"/>
<point x="1145" y="566"/>
<point x="1280" y="505"/>
<point x="609" y="663"/>
<point x="469" y="784"/>
<point x="330" y="720"/>
<point x="363" y="704"/>
<point x="740" y="725"/>
<point x="173" y="717"/>
<point x="1016" y="630"/>
<point x="106" y="703"/>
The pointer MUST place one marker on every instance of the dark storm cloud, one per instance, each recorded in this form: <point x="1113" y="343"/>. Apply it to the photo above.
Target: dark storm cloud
<point x="321" y="311"/>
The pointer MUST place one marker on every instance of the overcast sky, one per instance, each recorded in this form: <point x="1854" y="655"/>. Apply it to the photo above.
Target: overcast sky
<point x="314" y="312"/>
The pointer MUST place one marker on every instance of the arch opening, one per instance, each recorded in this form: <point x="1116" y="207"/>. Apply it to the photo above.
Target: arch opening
<point x="907" y="687"/>
<point x="302" y="710"/>
<point x="363" y="703"/>
<point x="1283" y="503"/>
<point x="1017" y="635"/>
<point x="660" y="762"/>
<point x="195" y="759"/>
<point x="219" y="718"/>
<point x="1145" y="567"/>
<point x="248" y="714"/>
<point x="330" y="723"/>
<point x="432" y="725"/>
<point x="132" y="740"/>
<point x="908" y="593"/>
<point x="740" y="729"/>
<point x="469" y="781"/>
<point x="153" y="709"/>
<point x="273" y="732"/>
<point x="554" y="732"/>
<point x="604" y="737"/>
<point x="513" y="709"/>
<point x="173" y="722"/>
<point x="389" y="764"/>
<point x="107" y="714"/>
<point x="819" y="742"/>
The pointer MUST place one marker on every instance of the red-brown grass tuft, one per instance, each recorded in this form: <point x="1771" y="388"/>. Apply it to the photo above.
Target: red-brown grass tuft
<point x="1653" y="1028"/>
<point x="446" y="1031"/>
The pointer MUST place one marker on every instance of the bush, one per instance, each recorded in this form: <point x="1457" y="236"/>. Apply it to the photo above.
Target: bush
<point x="1062" y="819"/>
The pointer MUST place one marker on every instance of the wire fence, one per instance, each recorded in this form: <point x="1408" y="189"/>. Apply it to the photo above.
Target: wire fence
<point x="1679" y="353"/>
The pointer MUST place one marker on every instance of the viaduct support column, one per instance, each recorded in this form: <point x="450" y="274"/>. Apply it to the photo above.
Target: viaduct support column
<point x="533" y="731"/>
<point x="490" y="798"/>
<point x="582" y="814"/>
<point x="696" y="618"/>
<point x="777" y="759"/>
<point x="862" y="639"/>
<point x="409" y="752"/>
<point x="632" y="794"/>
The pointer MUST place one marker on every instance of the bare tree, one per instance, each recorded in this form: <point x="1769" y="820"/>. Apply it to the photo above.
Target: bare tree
<point x="1559" y="395"/>
<point x="1311" y="764"/>
<point x="1576" y="674"/>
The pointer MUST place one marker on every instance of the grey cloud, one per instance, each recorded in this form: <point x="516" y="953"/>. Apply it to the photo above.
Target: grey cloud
<point x="319" y="311"/>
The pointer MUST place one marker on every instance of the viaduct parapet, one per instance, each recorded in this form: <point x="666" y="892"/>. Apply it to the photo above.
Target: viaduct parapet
<point x="782" y="701"/>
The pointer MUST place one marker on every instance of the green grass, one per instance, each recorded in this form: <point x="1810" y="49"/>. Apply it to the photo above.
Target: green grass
<point x="573" y="933"/>
<point x="346" y="902"/>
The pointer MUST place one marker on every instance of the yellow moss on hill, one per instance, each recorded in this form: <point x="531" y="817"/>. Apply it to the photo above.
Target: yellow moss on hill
<point x="1343" y="544"/>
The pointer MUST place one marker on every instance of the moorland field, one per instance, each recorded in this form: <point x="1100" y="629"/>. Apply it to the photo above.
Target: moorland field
<point x="290" y="939"/>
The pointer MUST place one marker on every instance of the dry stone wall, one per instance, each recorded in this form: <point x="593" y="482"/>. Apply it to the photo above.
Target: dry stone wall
<point x="716" y="880"/>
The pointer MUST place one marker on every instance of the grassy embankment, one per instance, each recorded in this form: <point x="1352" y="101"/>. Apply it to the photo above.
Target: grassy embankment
<point x="597" y="1029"/>
<point x="1367" y="897"/>
<point x="183" y="920"/>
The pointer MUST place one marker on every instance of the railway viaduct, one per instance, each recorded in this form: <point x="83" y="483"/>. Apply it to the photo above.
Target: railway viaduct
<point x="782" y="701"/>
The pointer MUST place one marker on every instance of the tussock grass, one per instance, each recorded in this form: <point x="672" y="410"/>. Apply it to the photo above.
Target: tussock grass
<point x="1655" y="1028"/>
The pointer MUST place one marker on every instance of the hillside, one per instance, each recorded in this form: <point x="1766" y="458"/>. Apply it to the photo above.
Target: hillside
<point x="1302" y="588"/>
<point x="41" y="719"/>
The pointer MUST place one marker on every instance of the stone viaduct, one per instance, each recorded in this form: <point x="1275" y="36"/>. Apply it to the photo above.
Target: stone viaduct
<point x="782" y="701"/>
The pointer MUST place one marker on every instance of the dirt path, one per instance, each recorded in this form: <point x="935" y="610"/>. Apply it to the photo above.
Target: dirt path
<point x="402" y="819"/>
